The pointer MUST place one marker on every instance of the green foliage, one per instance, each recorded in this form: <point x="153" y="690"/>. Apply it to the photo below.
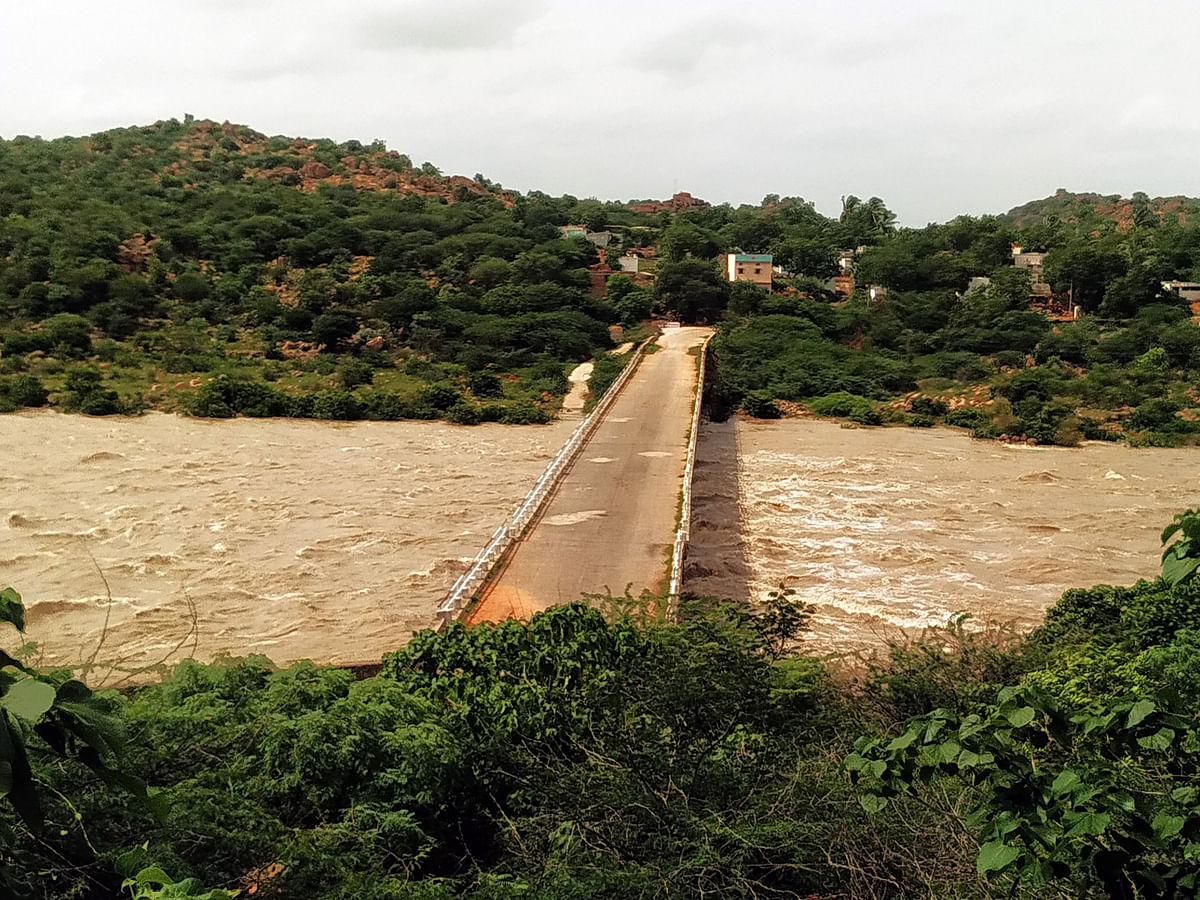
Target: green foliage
<point x="85" y="393"/>
<point x="23" y="390"/>
<point x="691" y="290"/>
<point x="967" y="418"/>
<point x="440" y="396"/>
<point x="485" y="385"/>
<point x="847" y="406"/>
<point x="606" y="370"/>
<point x="152" y="883"/>
<point x="1181" y="558"/>
<point x="928" y="406"/>
<point x="354" y="373"/>
<point x="929" y="326"/>
<point x="109" y="251"/>
<point x="1058" y="797"/>
<point x="524" y="413"/>
<point x="57" y="715"/>
<point x="592" y="753"/>
<point x="760" y="405"/>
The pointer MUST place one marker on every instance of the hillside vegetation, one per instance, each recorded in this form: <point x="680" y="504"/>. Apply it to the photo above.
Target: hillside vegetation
<point x="211" y="269"/>
<point x="990" y="356"/>
<point x="582" y="757"/>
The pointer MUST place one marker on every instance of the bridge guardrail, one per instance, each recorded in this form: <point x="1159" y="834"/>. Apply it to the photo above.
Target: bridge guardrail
<point x="684" y="532"/>
<point x="481" y="566"/>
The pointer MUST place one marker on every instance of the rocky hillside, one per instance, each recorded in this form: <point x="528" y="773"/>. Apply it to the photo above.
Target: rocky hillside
<point x="1071" y="207"/>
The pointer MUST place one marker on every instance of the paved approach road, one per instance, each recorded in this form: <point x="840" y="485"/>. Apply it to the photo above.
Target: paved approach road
<point x="611" y="523"/>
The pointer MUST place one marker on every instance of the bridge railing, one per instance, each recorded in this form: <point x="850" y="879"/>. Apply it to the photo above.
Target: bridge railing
<point x="477" y="574"/>
<point x="684" y="532"/>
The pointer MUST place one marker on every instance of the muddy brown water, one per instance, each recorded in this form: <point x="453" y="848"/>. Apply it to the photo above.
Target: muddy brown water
<point x="142" y="540"/>
<point x="888" y="528"/>
<point x="291" y="538"/>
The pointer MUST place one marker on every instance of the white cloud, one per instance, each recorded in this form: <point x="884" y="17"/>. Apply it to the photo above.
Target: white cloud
<point x="937" y="106"/>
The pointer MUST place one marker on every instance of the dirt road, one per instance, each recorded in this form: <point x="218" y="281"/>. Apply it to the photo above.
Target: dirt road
<point x="612" y="521"/>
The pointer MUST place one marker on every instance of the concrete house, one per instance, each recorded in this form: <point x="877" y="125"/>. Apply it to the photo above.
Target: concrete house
<point x="1188" y="290"/>
<point x="600" y="238"/>
<point x="752" y="267"/>
<point x="1032" y="262"/>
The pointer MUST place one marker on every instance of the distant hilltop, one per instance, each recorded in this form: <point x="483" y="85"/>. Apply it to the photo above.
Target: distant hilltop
<point x="174" y="153"/>
<point x="678" y="203"/>
<point x="183" y="148"/>
<point x="1071" y="207"/>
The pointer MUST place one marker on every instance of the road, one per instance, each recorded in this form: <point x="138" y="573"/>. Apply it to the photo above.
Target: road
<point x="611" y="523"/>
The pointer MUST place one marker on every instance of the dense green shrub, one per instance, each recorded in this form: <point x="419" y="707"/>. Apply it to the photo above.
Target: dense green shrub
<point x="965" y="417"/>
<point x="485" y="385"/>
<point x="222" y="398"/>
<point x="524" y="412"/>
<point x="354" y="373"/>
<point x="340" y="405"/>
<point x="84" y="392"/>
<point x="605" y="371"/>
<point x="1157" y="414"/>
<point x="464" y="413"/>
<point x="440" y="396"/>
<point x="760" y="405"/>
<point x="843" y="405"/>
<point x="928" y="407"/>
<point x="24" y="390"/>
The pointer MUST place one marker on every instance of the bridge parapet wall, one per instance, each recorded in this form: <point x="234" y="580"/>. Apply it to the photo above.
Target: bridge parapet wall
<point x="471" y="582"/>
<point x="684" y="532"/>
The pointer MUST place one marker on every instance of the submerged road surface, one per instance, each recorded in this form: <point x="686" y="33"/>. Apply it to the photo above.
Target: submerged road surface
<point x="611" y="523"/>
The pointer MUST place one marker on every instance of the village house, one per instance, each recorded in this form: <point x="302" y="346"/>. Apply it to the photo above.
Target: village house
<point x="1188" y="290"/>
<point x="600" y="238"/>
<point x="1032" y="262"/>
<point x="752" y="267"/>
<point x="639" y="263"/>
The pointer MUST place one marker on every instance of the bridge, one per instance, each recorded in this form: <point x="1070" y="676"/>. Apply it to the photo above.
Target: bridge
<point x="613" y="511"/>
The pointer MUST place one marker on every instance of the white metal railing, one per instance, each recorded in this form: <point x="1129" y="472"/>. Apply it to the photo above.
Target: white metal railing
<point x="684" y="532"/>
<point x="481" y="566"/>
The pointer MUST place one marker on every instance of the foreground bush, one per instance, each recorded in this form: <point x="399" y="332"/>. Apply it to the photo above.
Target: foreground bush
<point x="575" y="756"/>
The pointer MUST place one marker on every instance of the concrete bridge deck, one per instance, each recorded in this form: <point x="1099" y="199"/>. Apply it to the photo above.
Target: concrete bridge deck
<point x="612" y="520"/>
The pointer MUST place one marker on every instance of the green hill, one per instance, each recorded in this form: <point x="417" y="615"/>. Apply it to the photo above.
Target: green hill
<point x="210" y="268"/>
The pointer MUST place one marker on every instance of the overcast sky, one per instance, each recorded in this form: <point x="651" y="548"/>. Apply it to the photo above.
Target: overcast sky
<point x="938" y="107"/>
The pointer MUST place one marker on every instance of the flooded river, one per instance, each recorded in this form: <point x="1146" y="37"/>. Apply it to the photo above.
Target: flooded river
<point x="142" y="540"/>
<point x="902" y="527"/>
<point x="333" y="541"/>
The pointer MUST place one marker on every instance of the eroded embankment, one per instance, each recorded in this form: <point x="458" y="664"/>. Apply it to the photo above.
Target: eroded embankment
<point x="886" y="527"/>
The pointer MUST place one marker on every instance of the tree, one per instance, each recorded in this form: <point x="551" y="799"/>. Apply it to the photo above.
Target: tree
<point x="1086" y="268"/>
<point x="692" y="290"/>
<point x="1125" y="295"/>
<point x="68" y="334"/>
<point x="634" y="306"/>
<point x="191" y="287"/>
<point x="333" y="327"/>
<point x="683" y="239"/>
<point x="1143" y="215"/>
<point x="814" y="257"/>
<point x="746" y="299"/>
<point x="865" y="223"/>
